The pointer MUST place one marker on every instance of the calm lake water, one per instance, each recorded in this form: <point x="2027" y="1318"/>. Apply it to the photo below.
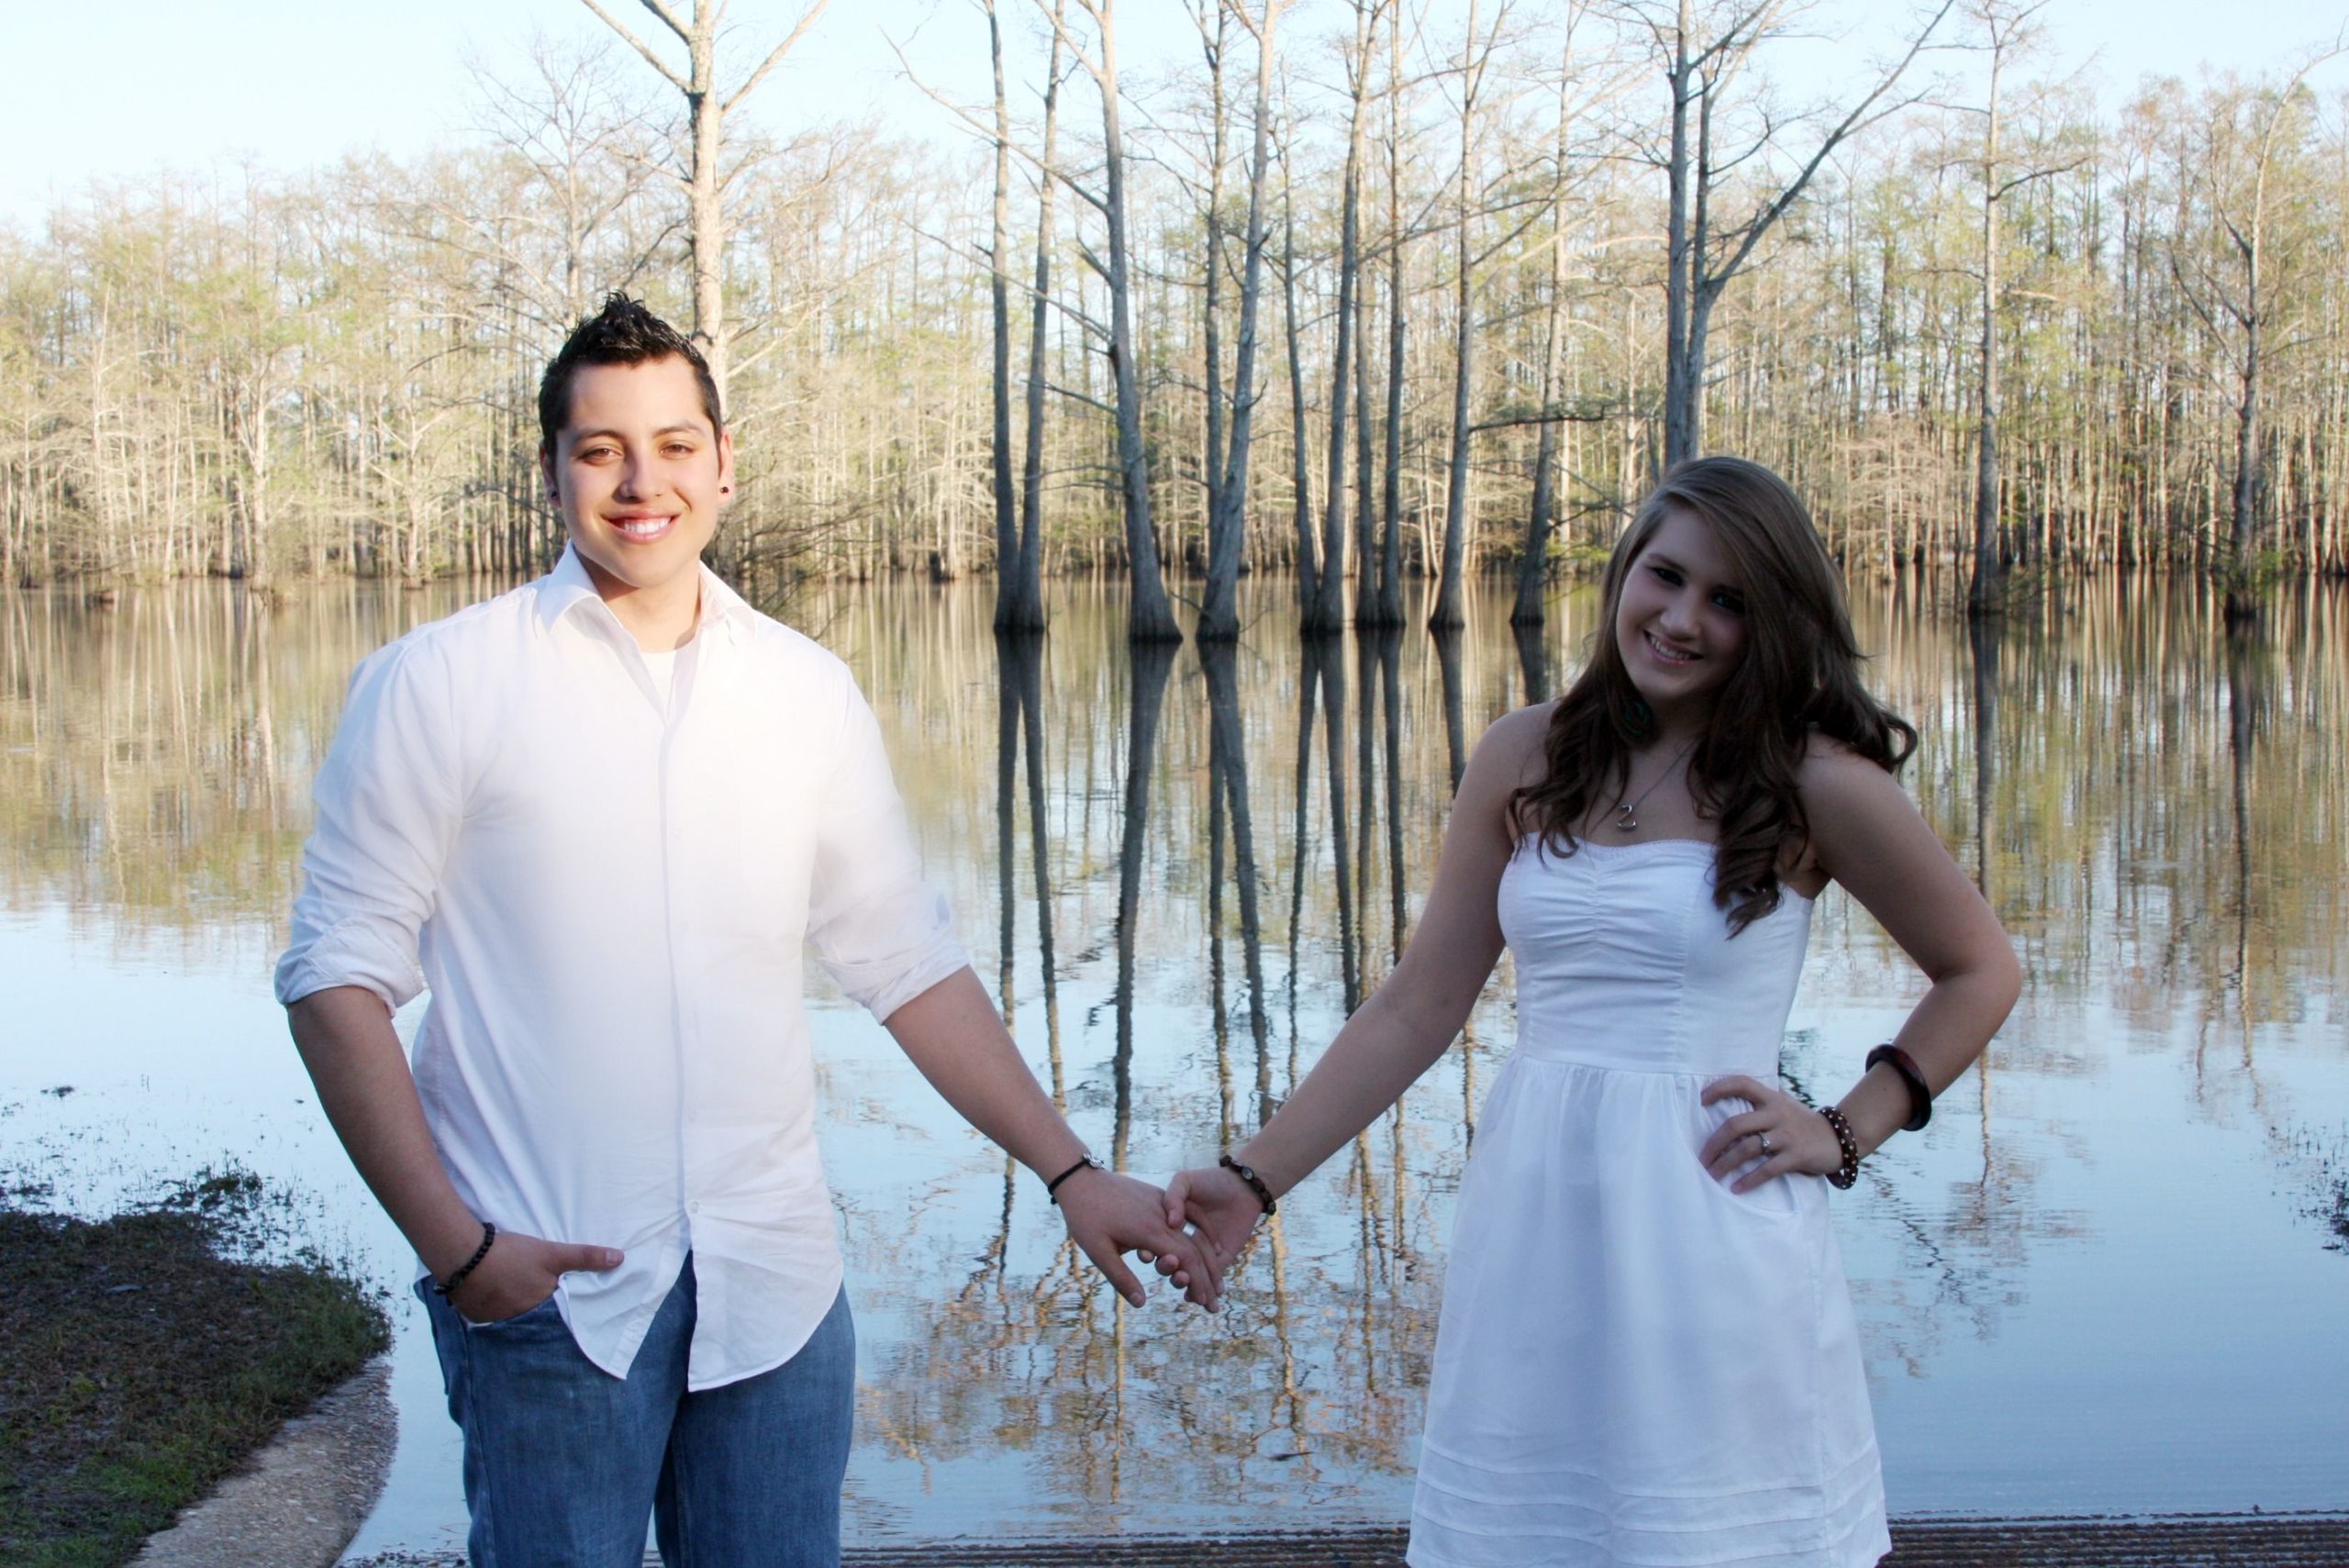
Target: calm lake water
<point x="2109" y="1278"/>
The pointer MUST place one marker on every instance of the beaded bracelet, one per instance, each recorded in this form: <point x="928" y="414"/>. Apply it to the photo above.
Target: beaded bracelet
<point x="488" y="1234"/>
<point x="1843" y="1175"/>
<point x="1256" y="1183"/>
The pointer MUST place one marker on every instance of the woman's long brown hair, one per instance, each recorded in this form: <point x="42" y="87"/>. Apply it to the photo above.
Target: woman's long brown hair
<point x="1799" y="674"/>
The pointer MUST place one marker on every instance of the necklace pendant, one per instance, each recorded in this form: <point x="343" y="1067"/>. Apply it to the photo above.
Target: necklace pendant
<point x="1624" y="821"/>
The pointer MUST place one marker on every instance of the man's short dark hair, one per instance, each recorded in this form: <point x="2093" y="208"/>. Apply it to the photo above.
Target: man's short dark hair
<point x="623" y="333"/>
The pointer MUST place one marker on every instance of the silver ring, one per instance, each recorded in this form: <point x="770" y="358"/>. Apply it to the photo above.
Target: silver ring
<point x="1765" y="1143"/>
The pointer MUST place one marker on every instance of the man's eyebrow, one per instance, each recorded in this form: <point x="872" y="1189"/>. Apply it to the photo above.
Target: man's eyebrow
<point x="693" y="428"/>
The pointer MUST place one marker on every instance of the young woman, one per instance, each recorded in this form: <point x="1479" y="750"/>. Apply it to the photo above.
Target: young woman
<point x="1648" y="1353"/>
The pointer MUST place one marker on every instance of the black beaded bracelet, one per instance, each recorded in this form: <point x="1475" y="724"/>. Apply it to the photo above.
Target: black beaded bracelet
<point x="1843" y="1175"/>
<point x="1052" y="1187"/>
<point x="488" y="1234"/>
<point x="1920" y="1096"/>
<point x="1256" y="1183"/>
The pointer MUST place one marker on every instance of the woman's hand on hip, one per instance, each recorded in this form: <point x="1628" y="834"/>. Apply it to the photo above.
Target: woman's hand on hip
<point x="1781" y="1131"/>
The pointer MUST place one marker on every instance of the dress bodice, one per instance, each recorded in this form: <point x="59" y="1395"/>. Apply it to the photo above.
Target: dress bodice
<point x="1624" y="960"/>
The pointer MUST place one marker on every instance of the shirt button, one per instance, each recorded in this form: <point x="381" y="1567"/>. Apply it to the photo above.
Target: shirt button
<point x="693" y="1207"/>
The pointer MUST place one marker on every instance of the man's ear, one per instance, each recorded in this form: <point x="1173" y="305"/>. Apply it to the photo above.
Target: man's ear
<point x="546" y="472"/>
<point x="725" y="463"/>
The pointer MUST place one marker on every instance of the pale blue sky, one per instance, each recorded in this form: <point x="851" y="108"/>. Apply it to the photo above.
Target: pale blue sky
<point x="121" y="88"/>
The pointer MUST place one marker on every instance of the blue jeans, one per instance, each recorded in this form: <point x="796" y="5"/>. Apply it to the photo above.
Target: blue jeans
<point x="564" y="1462"/>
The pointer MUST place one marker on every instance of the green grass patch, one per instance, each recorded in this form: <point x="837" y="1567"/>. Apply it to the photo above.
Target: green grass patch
<point x="145" y="1363"/>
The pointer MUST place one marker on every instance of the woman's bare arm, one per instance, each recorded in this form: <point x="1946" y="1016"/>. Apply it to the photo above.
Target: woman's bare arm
<point x="1866" y="834"/>
<point x="1409" y="1020"/>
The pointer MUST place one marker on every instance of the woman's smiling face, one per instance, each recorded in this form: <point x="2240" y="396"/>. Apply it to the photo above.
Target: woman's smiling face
<point x="1680" y="625"/>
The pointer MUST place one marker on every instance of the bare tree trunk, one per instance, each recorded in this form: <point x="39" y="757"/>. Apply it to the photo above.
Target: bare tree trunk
<point x="1680" y="397"/>
<point x="1151" y="617"/>
<point x="1366" y="465"/>
<point x="1006" y="538"/>
<point x="1327" y="610"/>
<point x="1448" y="594"/>
<point x="2241" y="607"/>
<point x="1982" y="593"/>
<point x="1695" y="72"/>
<point x="1026" y="610"/>
<point x="1533" y="562"/>
<point x="1211" y="45"/>
<point x="1302" y="477"/>
<point x="705" y="110"/>
<point x="1228" y="521"/>
<point x="1390" y="493"/>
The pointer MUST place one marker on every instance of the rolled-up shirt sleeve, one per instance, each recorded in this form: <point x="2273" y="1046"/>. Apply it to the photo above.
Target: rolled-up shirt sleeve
<point x="880" y="932"/>
<point x="388" y="802"/>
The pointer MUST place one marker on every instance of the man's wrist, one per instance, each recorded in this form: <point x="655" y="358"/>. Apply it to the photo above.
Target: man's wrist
<point x="451" y="1242"/>
<point x="1075" y="1171"/>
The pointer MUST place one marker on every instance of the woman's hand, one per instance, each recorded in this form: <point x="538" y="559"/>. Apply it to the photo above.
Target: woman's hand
<point x="1780" y="1131"/>
<point x="1108" y="1215"/>
<point x="1221" y="1210"/>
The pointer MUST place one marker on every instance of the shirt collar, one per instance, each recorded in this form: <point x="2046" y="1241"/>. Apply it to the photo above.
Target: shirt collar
<point x="568" y="586"/>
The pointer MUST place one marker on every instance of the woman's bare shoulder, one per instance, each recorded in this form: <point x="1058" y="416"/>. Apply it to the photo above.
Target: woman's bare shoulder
<point x="1514" y="743"/>
<point x="1508" y="757"/>
<point x="1830" y="768"/>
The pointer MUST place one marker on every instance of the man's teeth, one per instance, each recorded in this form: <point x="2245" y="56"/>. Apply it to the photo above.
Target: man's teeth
<point x="645" y="528"/>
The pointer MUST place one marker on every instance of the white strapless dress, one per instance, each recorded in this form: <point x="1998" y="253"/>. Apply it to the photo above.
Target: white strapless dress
<point x="1636" y="1365"/>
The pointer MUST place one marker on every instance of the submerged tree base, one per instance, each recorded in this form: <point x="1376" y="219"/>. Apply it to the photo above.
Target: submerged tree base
<point x="144" y="1367"/>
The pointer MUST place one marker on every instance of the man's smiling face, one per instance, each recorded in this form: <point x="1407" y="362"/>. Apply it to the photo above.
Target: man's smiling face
<point x="641" y="477"/>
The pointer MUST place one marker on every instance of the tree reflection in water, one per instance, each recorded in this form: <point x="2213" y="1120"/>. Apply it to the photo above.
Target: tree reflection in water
<point x="1212" y="877"/>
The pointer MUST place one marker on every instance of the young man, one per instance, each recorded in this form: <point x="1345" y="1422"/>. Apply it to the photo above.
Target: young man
<point x="598" y="816"/>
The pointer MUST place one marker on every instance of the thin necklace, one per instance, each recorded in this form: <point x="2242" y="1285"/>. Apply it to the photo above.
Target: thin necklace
<point x="1626" y="817"/>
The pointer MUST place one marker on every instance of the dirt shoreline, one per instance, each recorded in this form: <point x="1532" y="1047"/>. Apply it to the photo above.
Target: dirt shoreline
<point x="302" y="1496"/>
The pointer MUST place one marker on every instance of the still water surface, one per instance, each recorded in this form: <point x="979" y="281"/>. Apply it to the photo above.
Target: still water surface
<point x="2107" y="1279"/>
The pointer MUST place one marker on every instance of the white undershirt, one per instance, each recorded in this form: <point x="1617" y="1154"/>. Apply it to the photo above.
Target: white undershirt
<point x="662" y="668"/>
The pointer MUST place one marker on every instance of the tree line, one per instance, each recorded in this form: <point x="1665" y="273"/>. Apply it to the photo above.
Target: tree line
<point x="1372" y="293"/>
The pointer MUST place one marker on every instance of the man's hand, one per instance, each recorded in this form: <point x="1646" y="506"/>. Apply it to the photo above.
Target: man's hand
<point x="1221" y="1210"/>
<point x="521" y="1271"/>
<point x="1108" y="1215"/>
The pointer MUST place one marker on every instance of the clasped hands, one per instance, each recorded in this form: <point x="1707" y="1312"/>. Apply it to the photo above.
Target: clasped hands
<point x="1109" y="1214"/>
<point x="1192" y="1232"/>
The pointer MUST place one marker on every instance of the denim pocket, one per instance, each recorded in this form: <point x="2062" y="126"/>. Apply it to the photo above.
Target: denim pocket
<point x="545" y="1312"/>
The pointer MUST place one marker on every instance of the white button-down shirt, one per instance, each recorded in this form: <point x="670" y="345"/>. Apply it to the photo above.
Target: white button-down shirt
<point x="606" y="889"/>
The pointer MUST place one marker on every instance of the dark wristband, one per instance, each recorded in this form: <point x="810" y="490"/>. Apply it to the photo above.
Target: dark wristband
<point x="1256" y="1183"/>
<point x="1920" y="1098"/>
<point x="488" y="1234"/>
<point x="1052" y="1187"/>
